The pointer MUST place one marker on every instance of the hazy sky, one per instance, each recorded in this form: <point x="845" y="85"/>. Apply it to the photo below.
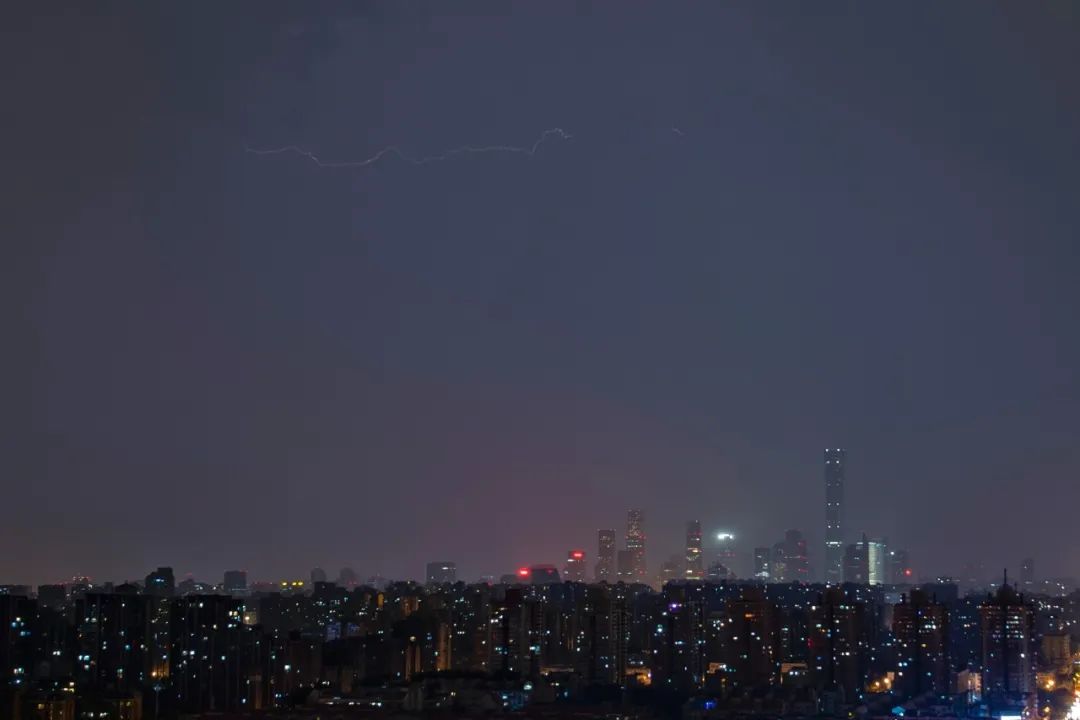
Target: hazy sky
<point x="861" y="232"/>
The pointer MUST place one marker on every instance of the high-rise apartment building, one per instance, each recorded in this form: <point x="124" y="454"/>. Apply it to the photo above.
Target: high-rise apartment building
<point x="695" y="562"/>
<point x="1008" y="645"/>
<point x="835" y="469"/>
<point x="921" y="628"/>
<point x="605" y="556"/>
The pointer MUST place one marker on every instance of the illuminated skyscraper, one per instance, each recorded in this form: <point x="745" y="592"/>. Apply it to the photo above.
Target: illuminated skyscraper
<point x="835" y="463"/>
<point x="605" y="556"/>
<point x="575" y="566"/>
<point x="635" y="542"/>
<point x="726" y="554"/>
<point x="878" y="561"/>
<point x="695" y="563"/>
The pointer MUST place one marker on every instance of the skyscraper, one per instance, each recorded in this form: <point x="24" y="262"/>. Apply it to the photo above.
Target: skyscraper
<point x="574" y="570"/>
<point x="856" y="565"/>
<point x="695" y="563"/>
<point x="726" y="554"/>
<point x="605" y="556"/>
<point x="878" y="559"/>
<point x="835" y="464"/>
<point x="635" y="542"/>
<point x="762" y="564"/>
<point x="441" y="572"/>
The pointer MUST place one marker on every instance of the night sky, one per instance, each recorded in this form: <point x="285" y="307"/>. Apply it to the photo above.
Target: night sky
<point x="775" y="228"/>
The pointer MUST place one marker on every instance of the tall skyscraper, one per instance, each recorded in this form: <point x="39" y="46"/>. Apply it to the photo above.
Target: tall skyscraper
<point x="605" y="556"/>
<point x="878" y="560"/>
<point x="856" y="565"/>
<point x="789" y="562"/>
<point x="726" y="554"/>
<point x="900" y="571"/>
<point x="695" y="563"/>
<point x="835" y="464"/>
<point x="635" y="543"/>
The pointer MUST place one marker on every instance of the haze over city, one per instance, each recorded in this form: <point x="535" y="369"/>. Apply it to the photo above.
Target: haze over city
<point x="758" y="233"/>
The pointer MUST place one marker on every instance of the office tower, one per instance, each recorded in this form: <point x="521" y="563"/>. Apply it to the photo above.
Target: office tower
<point x="318" y="575"/>
<point x="856" y="566"/>
<point x="1008" y="648"/>
<point x="671" y="569"/>
<point x="789" y="562"/>
<point x="835" y="463"/>
<point x="625" y="571"/>
<point x="878" y="560"/>
<point x="900" y="571"/>
<point x="695" y="562"/>
<point x="544" y="575"/>
<point x="1027" y="574"/>
<point x="762" y="564"/>
<point x="160" y="583"/>
<point x="635" y="542"/>
<point x="575" y="566"/>
<point x="605" y="556"/>
<point x="921" y="628"/>
<point x="719" y="572"/>
<point x="725" y="553"/>
<point x="235" y="581"/>
<point x="441" y="572"/>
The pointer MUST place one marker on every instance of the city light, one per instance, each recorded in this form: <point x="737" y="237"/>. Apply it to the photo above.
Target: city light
<point x="723" y="536"/>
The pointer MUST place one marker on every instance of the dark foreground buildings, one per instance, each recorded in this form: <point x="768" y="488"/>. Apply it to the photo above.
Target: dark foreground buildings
<point x="695" y="648"/>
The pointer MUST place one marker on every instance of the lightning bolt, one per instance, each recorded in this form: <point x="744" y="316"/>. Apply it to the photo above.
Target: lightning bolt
<point x="527" y="150"/>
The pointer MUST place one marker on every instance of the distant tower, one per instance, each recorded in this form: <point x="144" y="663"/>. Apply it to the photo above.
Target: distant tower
<point x="695" y="563"/>
<point x="317" y="575"/>
<point x="1027" y="573"/>
<point x="835" y="464"/>
<point x="605" y="556"/>
<point x="575" y="566"/>
<point x="635" y="543"/>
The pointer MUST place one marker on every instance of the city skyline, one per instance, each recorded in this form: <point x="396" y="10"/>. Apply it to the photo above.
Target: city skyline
<point x="656" y="257"/>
